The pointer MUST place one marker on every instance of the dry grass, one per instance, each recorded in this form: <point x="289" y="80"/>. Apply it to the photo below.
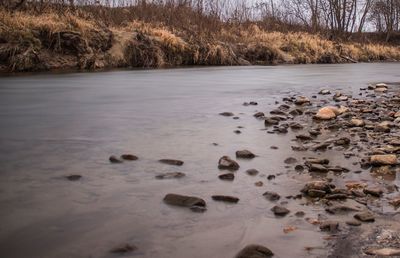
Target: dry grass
<point x="24" y="37"/>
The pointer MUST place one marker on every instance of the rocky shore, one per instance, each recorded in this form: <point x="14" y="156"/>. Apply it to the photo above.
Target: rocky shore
<point x="358" y="198"/>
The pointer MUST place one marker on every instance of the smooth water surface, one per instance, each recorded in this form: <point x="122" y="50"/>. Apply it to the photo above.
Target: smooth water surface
<point x="54" y="125"/>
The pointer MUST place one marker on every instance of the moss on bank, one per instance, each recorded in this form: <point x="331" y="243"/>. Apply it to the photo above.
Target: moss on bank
<point x="53" y="41"/>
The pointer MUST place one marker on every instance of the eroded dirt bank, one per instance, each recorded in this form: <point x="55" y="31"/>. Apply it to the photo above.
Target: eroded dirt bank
<point x="64" y="41"/>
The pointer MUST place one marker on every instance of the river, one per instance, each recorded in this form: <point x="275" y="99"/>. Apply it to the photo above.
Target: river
<point x="54" y="125"/>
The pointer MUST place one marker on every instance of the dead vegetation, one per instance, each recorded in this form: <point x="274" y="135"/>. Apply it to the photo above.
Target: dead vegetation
<point x="79" y="39"/>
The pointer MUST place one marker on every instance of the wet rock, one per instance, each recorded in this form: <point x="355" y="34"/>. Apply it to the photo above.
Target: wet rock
<point x="383" y="127"/>
<point x="253" y="103"/>
<point x="337" y="196"/>
<point x="252" y="172"/>
<point x="226" y="162"/>
<point x="255" y="251"/>
<point x="269" y="121"/>
<point x="296" y="126"/>
<point x="225" y="198"/>
<point x="129" y="157"/>
<point x="198" y="209"/>
<point x="123" y="249"/>
<point x="259" y="183"/>
<point x="228" y="177"/>
<point x="270" y="177"/>
<point x="245" y="154"/>
<point x="280" y="210"/>
<point x="342" y="141"/>
<point x="278" y="112"/>
<point x="303" y="137"/>
<point x="296" y="112"/>
<point x="73" y="177"/>
<point x="357" y="122"/>
<point x="331" y="226"/>
<point x="320" y="146"/>
<point x="380" y="160"/>
<point x="290" y="160"/>
<point x="316" y="189"/>
<point x="317" y="168"/>
<point x="317" y="161"/>
<point x="395" y="202"/>
<point x="237" y="132"/>
<point x="388" y="251"/>
<point x="324" y="92"/>
<point x="226" y="114"/>
<point x="353" y="223"/>
<point x="342" y="209"/>
<point x="184" y="201"/>
<point x="259" y="115"/>
<point x="114" y="159"/>
<point x="173" y="162"/>
<point x="381" y="90"/>
<point x="170" y="175"/>
<point x="377" y="192"/>
<point x="302" y="100"/>
<point x="273" y="147"/>
<point x="272" y="196"/>
<point x="365" y="216"/>
<point x="325" y="113"/>
<point x="299" y="168"/>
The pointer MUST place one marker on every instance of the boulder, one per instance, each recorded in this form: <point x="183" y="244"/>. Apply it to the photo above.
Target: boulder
<point x="245" y="154"/>
<point x="226" y="162"/>
<point x="326" y="113"/>
<point x="385" y="159"/>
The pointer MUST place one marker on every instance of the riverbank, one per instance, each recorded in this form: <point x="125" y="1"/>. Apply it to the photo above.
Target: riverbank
<point x="78" y="41"/>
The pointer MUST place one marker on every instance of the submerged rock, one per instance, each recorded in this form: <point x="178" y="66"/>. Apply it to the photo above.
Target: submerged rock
<point x="114" y="159"/>
<point x="252" y="172"/>
<point x="272" y="196"/>
<point x="245" y="154"/>
<point x="73" y="177"/>
<point x="228" y="177"/>
<point x="255" y="251"/>
<point x="123" y="249"/>
<point x="280" y="210"/>
<point x="129" y="157"/>
<point x="174" y="162"/>
<point x="170" y="175"/>
<point x="225" y="198"/>
<point x="183" y="200"/>
<point x="226" y="114"/>
<point x="226" y="162"/>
